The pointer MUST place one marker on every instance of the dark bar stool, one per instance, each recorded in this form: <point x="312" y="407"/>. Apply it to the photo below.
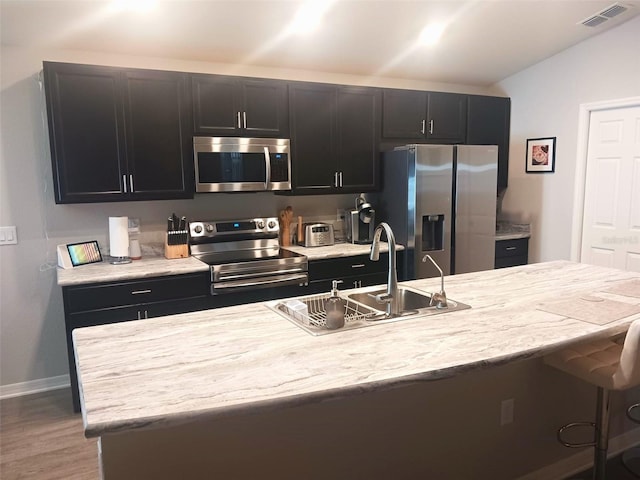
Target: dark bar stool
<point x="609" y="366"/>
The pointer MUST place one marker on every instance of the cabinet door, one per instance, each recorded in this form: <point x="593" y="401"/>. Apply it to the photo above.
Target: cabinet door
<point x="404" y="114"/>
<point x="358" y="138"/>
<point x="85" y="132"/>
<point x="488" y="123"/>
<point x="446" y="117"/>
<point x="216" y="104"/>
<point x="160" y="165"/>
<point x="313" y="137"/>
<point x="265" y="110"/>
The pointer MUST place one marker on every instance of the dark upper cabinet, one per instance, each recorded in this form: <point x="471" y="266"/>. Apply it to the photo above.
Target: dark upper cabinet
<point x="159" y="158"/>
<point x="118" y="134"/>
<point x="424" y="116"/>
<point x="488" y="123"/>
<point x="236" y="106"/>
<point x="358" y="138"/>
<point x="334" y="138"/>
<point x="313" y="138"/>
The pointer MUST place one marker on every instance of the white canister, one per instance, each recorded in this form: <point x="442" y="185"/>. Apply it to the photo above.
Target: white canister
<point x="134" y="249"/>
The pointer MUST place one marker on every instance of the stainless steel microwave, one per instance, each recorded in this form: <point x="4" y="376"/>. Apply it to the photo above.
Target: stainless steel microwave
<point x="240" y="164"/>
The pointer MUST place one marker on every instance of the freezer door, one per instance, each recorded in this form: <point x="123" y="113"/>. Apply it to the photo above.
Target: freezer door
<point x="475" y="208"/>
<point x="433" y="208"/>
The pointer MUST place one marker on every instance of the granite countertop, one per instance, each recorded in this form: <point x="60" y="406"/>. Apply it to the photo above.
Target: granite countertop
<point x="157" y="266"/>
<point x="245" y="359"/>
<point x="338" y="250"/>
<point x="512" y="231"/>
<point x="145" y="267"/>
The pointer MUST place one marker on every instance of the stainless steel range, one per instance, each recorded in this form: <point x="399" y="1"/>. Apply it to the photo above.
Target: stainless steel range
<point x="245" y="255"/>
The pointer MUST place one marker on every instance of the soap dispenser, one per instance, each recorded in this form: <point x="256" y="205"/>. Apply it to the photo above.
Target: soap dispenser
<point x="334" y="308"/>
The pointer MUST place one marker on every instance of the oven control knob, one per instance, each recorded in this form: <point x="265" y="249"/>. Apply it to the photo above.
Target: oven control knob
<point x="197" y="228"/>
<point x="271" y="224"/>
<point x="260" y="224"/>
<point x="209" y="228"/>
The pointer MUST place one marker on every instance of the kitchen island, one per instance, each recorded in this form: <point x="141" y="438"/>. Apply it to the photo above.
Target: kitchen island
<point x="190" y="395"/>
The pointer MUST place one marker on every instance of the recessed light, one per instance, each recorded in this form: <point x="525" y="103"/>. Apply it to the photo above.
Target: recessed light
<point x="431" y="34"/>
<point x="309" y="16"/>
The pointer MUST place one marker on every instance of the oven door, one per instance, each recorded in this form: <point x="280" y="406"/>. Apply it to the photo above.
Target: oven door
<point x="234" y="277"/>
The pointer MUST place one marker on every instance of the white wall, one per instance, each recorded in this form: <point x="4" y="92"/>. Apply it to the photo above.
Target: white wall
<point x="32" y="341"/>
<point x="545" y="100"/>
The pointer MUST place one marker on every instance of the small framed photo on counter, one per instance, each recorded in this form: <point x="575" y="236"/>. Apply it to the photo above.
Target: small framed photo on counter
<point x="541" y="155"/>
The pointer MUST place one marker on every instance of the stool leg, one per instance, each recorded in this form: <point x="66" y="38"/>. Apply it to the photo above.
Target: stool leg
<point x="602" y="434"/>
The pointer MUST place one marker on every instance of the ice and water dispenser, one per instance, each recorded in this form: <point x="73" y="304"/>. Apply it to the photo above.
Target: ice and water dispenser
<point x="432" y="232"/>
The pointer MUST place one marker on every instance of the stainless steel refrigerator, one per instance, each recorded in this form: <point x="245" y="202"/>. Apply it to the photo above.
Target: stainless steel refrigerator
<point x="441" y="200"/>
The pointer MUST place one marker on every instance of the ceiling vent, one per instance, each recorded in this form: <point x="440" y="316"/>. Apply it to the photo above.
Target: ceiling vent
<point x="604" y="15"/>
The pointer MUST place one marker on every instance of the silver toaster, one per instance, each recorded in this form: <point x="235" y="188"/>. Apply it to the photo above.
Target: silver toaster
<point x="318" y="234"/>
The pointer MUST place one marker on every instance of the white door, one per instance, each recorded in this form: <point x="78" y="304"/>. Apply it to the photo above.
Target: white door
<point x="611" y="222"/>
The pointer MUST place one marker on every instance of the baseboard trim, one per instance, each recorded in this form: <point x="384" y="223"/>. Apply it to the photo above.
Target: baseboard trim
<point x="34" y="386"/>
<point x="584" y="459"/>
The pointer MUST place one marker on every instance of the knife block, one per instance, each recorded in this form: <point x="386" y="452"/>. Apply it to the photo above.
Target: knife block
<point x="175" y="251"/>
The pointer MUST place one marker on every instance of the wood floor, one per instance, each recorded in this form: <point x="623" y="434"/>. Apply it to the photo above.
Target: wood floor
<point x="42" y="439"/>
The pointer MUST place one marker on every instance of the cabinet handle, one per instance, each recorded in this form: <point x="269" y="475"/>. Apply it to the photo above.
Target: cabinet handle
<point x="131" y="183"/>
<point x="139" y="316"/>
<point x="146" y="315"/>
<point x="422" y="129"/>
<point x="340" y="179"/>
<point x="335" y="179"/>
<point x="358" y="265"/>
<point x="239" y="124"/>
<point x="138" y="292"/>
<point x="244" y="119"/>
<point x="511" y="248"/>
<point x="430" y="127"/>
<point x="124" y="183"/>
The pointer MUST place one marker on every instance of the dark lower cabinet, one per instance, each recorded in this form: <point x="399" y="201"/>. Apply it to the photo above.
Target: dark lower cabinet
<point x="113" y="302"/>
<point x="511" y="253"/>
<point x="488" y="123"/>
<point x="118" y="134"/>
<point x="355" y="272"/>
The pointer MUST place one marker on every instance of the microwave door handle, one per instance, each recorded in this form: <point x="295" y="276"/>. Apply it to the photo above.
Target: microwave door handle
<point x="267" y="164"/>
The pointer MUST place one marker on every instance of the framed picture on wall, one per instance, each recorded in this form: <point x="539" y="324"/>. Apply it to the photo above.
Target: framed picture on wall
<point x="541" y="155"/>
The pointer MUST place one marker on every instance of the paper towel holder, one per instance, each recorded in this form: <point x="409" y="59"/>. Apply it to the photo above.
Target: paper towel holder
<point x="119" y="260"/>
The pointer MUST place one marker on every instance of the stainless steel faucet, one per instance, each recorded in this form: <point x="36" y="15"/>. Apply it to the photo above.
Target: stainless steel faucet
<point x="391" y="297"/>
<point x="439" y="299"/>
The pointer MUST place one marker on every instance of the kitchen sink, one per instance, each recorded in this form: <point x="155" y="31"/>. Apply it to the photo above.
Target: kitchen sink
<point x="361" y="309"/>
<point x="410" y="303"/>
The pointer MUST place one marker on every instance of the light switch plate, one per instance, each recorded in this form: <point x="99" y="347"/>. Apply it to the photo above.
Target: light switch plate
<point x="8" y="236"/>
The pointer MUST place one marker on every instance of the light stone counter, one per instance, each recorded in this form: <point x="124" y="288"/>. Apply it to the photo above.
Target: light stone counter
<point x="143" y="268"/>
<point x="247" y="359"/>
<point x="338" y="250"/>
<point x="512" y="231"/>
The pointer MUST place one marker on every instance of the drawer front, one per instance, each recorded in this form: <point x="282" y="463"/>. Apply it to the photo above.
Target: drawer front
<point x="510" y="261"/>
<point x="512" y="248"/>
<point x="336" y="268"/>
<point x="120" y="294"/>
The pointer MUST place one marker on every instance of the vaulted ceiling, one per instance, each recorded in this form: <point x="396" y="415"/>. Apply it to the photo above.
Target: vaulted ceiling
<point x="483" y="42"/>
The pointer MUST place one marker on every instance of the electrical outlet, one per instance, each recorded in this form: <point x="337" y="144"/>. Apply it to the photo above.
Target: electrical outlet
<point x="507" y="408"/>
<point x="339" y="215"/>
<point x="8" y="236"/>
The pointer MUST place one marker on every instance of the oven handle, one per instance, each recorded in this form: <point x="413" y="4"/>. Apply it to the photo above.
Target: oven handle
<point x="263" y="282"/>
<point x="230" y="276"/>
